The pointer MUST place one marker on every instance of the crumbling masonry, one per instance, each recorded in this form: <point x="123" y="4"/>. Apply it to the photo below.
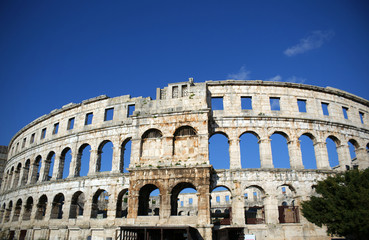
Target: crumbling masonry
<point x="169" y="141"/>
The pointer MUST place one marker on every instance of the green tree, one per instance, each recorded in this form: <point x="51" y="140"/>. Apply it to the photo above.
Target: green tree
<point x="342" y="204"/>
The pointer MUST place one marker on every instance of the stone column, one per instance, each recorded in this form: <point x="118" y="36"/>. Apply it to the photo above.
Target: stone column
<point x="21" y="177"/>
<point x="203" y="216"/>
<point x="265" y="149"/>
<point x="135" y="151"/>
<point x="92" y="169"/>
<point x="116" y="161"/>
<point x="73" y="164"/>
<point x="344" y="157"/>
<point x="234" y="153"/>
<point x="362" y="157"/>
<point x="271" y="210"/>
<point x="66" y="208"/>
<point x="11" y="178"/>
<point x="294" y="152"/>
<point x="321" y="155"/>
<point x="238" y="211"/>
<point x="49" y="206"/>
<point x="56" y="167"/>
<point x="165" y="206"/>
<point x="167" y="146"/>
<point x="42" y="173"/>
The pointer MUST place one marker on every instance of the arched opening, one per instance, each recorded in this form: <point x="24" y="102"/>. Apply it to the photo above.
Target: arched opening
<point x="185" y="142"/>
<point x="287" y="207"/>
<point x="28" y="209"/>
<point x="151" y="144"/>
<point x="125" y="155"/>
<point x="41" y="208"/>
<point x="184" y="199"/>
<point x="332" y="144"/>
<point x="36" y="169"/>
<point x="17" y="210"/>
<point x="77" y="205"/>
<point x="100" y="203"/>
<point x="249" y="148"/>
<point x="105" y="156"/>
<point x="17" y="175"/>
<point x="122" y="204"/>
<point x="65" y="160"/>
<point x="26" y="172"/>
<point x="149" y="201"/>
<point x="2" y="211"/>
<point x="4" y="184"/>
<point x="83" y="160"/>
<point x="307" y="151"/>
<point x="254" y="205"/>
<point x="11" y="178"/>
<point x="280" y="155"/>
<point x="57" y="207"/>
<point x="8" y="211"/>
<point x="49" y="165"/>
<point x="353" y="146"/>
<point x="221" y="206"/>
<point x="219" y="151"/>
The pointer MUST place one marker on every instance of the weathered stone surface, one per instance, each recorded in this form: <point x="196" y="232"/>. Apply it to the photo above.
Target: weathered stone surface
<point x="169" y="140"/>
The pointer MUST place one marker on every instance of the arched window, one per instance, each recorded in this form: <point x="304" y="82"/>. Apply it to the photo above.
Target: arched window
<point x="220" y="206"/>
<point x="17" y="210"/>
<point x="57" y="207"/>
<point x="307" y="151"/>
<point x="26" y="172"/>
<point x="332" y="144"/>
<point x="280" y="153"/>
<point x="184" y="199"/>
<point x="122" y="204"/>
<point x="151" y="143"/>
<point x="83" y="160"/>
<point x="254" y="205"/>
<point x="100" y="203"/>
<point x="125" y="155"/>
<point x="49" y="165"/>
<point x="219" y="151"/>
<point x="149" y="201"/>
<point x="28" y="209"/>
<point x="65" y="160"/>
<point x="8" y="212"/>
<point x="17" y="175"/>
<point x="185" y="142"/>
<point x="41" y="208"/>
<point x="77" y="205"/>
<point x="36" y="169"/>
<point x="249" y="147"/>
<point x="105" y="156"/>
<point x="288" y="211"/>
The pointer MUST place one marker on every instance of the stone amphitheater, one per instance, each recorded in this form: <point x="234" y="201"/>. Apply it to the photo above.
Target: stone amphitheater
<point x="46" y="196"/>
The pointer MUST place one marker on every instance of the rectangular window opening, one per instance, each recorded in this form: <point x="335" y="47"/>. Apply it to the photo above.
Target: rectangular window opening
<point x="246" y="103"/>
<point x="24" y="142"/>
<point x="109" y="114"/>
<point x="302" y="105"/>
<point x="32" y="140"/>
<point x="217" y="103"/>
<point x="218" y="199"/>
<point x="70" y="123"/>
<point x="190" y="201"/>
<point x="274" y="104"/>
<point x="175" y="92"/>
<point x="361" y="117"/>
<point x="344" y="111"/>
<point x="181" y="203"/>
<point x="227" y="198"/>
<point x="56" y="128"/>
<point x="43" y="133"/>
<point x="131" y="109"/>
<point x="88" y="119"/>
<point x="325" y="109"/>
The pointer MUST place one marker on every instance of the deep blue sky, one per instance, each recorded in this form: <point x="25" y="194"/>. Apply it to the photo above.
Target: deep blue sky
<point x="56" y="52"/>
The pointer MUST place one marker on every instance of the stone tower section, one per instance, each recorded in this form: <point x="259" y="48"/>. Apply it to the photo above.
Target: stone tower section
<point x="113" y="168"/>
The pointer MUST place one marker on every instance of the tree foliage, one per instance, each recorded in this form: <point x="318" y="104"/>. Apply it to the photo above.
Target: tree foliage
<point x="342" y="204"/>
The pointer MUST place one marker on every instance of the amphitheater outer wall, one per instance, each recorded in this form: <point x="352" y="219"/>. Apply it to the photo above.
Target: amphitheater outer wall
<point x="169" y="141"/>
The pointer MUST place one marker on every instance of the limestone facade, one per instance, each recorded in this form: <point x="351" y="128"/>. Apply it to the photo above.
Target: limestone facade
<point x="169" y="151"/>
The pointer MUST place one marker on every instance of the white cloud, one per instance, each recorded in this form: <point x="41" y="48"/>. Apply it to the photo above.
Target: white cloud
<point x="242" y="74"/>
<point x="276" y="78"/>
<point x="293" y="79"/>
<point x="312" y="41"/>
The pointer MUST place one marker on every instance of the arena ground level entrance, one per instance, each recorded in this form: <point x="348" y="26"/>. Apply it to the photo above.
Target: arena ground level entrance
<point x="158" y="233"/>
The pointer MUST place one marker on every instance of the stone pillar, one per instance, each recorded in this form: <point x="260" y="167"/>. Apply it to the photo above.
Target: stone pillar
<point x="165" y="206"/>
<point x="92" y="169"/>
<point x="234" y="153"/>
<point x="362" y="157"/>
<point x="41" y="176"/>
<point x="21" y="177"/>
<point x="321" y="155"/>
<point x="49" y="206"/>
<point x="132" y="203"/>
<point x="135" y="151"/>
<point x="238" y="211"/>
<point x="294" y="152"/>
<point x="344" y="157"/>
<point x="116" y="161"/>
<point x="271" y="210"/>
<point x="73" y="165"/>
<point x="265" y="149"/>
<point x="203" y="204"/>
<point x="167" y="146"/>
<point x="66" y="208"/>
<point x="56" y="167"/>
<point x="11" y="178"/>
